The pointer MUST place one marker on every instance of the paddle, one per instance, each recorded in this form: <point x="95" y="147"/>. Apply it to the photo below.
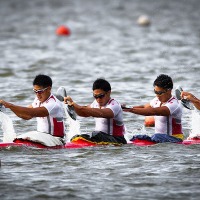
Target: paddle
<point x="186" y="103"/>
<point x="124" y="107"/>
<point x="60" y="94"/>
<point x="73" y="125"/>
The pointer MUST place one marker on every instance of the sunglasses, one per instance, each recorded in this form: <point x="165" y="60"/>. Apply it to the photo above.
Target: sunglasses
<point x="99" y="96"/>
<point x="159" y="92"/>
<point x="40" y="91"/>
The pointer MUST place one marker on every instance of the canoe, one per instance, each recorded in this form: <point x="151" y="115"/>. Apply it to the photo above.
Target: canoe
<point x="80" y="143"/>
<point x="142" y="142"/>
<point x="73" y="123"/>
<point x="30" y="144"/>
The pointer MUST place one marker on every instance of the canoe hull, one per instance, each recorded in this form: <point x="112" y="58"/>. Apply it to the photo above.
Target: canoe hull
<point x="80" y="143"/>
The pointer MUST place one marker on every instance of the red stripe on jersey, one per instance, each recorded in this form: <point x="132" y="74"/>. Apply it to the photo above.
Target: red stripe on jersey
<point x="58" y="128"/>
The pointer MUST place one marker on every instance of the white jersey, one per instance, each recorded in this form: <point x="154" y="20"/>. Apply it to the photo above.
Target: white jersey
<point x="54" y="123"/>
<point x="170" y="125"/>
<point x="113" y="126"/>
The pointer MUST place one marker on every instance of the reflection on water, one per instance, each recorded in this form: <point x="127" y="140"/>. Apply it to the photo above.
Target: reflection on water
<point x="105" y="42"/>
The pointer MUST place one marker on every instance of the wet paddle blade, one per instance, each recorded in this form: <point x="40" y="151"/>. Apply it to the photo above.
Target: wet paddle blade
<point x="71" y="112"/>
<point x="60" y="94"/>
<point x="186" y="103"/>
<point x="178" y="91"/>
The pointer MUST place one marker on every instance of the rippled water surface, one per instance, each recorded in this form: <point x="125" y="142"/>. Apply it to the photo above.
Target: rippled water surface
<point x="105" y="41"/>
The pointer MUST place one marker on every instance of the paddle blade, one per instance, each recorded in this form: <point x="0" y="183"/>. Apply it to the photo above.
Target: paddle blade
<point x="61" y="93"/>
<point x="178" y="91"/>
<point x="186" y="103"/>
<point x="71" y="112"/>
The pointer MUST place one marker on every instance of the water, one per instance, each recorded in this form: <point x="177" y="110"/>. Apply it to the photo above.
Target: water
<point x="8" y="130"/>
<point x="105" y="42"/>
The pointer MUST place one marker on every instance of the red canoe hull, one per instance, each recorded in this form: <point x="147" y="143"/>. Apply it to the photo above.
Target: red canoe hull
<point x="82" y="143"/>
<point x="26" y="143"/>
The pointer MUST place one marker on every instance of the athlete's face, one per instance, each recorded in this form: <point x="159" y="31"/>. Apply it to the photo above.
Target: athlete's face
<point x="101" y="96"/>
<point x="42" y="93"/>
<point x="163" y="94"/>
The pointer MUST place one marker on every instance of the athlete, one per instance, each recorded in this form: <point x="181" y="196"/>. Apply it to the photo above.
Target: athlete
<point x="48" y="111"/>
<point x="167" y="112"/>
<point x="107" y="112"/>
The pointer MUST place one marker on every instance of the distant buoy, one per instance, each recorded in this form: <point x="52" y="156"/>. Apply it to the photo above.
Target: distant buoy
<point x="63" y="31"/>
<point x="149" y="121"/>
<point x="143" y="20"/>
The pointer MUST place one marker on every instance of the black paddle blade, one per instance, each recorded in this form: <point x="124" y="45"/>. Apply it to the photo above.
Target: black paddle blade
<point x="71" y="112"/>
<point x="186" y="103"/>
<point x="60" y="94"/>
<point x="178" y="91"/>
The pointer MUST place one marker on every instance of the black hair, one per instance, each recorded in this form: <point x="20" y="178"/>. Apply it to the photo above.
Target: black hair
<point x="42" y="80"/>
<point x="164" y="81"/>
<point x="102" y="84"/>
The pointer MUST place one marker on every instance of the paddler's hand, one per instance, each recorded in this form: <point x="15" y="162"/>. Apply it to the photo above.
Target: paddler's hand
<point x="2" y="102"/>
<point x="68" y="100"/>
<point x="3" y="105"/>
<point x="125" y="108"/>
<point x="188" y="96"/>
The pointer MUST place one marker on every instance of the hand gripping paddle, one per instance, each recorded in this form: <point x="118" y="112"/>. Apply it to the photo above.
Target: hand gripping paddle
<point x="60" y="94"/>
<point x="186" y="103"/>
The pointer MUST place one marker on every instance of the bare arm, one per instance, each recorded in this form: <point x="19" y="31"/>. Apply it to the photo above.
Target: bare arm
<point x="141" y="106"/>
<point x="149" y="111"/>
<point x="192" y="98"/>
<point x="86" y="111"/>
<point x="26" y="112"/>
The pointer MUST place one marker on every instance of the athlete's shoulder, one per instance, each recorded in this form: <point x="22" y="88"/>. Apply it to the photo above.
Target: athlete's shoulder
<point x="113" y="102"/>
<point x="51" y="99"/>
<point x="173" y="100"/>
<point x="155" y="102"/>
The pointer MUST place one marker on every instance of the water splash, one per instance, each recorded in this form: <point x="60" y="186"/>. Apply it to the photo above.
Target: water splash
<point x="141" y="130"/>
<point x="73" y="126"/>
<point x="195" y="124"/>
<point x="7" y="126"/>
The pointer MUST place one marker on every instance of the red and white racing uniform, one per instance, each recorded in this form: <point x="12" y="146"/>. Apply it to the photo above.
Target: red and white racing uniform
<point x="52" y="124"/>
<point x="113" y="126"/>
<point x="170" y="125"/>
<point x="50" y="129"/>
